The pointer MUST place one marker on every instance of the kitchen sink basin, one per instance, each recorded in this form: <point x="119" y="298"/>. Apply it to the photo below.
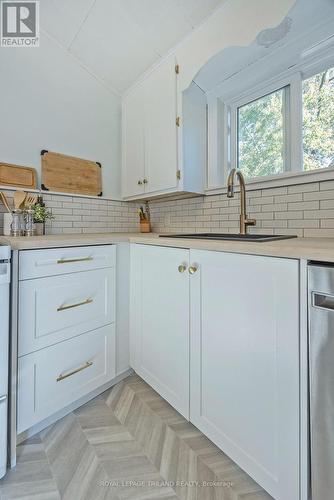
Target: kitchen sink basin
<point x="230" y="236"/>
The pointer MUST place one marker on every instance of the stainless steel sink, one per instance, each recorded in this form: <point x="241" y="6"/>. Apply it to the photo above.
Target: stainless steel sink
<point x="230" y="236"/>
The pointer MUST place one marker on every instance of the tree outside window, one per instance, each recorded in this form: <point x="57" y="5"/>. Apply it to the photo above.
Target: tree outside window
<point x="318" y="120"/>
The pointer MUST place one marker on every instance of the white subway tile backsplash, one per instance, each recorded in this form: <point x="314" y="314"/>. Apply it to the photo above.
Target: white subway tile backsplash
<point x="303" y="224"/>
<point x="318" y="195"/>
<point x="319" y="233"/>
<point x="327" y="223"/>
<point x="288" y="209"/>
<point x="288" y="198"/>
<point x="304" y="205"/>
<point x="304" y="188"/>
<point x="327" y="185"/>
<point x="79" y="215"/>
<point x="319" y="214"/>
<point x="275" y="191"/>
<point x="262" y="216"/>
<point x="262" y="200"/>
<point x="304" y="210"/>
<point x="327" y="203"/>
<point x="274" y="223"/>
<point x="275" y="207"/>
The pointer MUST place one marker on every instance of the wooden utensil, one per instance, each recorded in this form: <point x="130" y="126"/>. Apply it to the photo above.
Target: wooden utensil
<point x="145" y="223"/>
<point x="5" y="201"/>
<point x="68" y="174"/>
<point x="19" y="198"/>
<point x="16" y="175"/>
<point x="30" y="200"/>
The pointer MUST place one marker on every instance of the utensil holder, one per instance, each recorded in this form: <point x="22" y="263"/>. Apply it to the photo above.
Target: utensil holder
<point x="30" y="229"/>
<point x="18" y="225"/>
<point x="7" y="223"/>
<point x="145" y="226"/>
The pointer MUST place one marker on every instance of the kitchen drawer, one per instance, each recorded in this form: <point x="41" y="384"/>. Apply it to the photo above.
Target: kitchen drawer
<point x="57" y="308"/>
<point x="55" y="261"/>
<point x="51" y="379"/>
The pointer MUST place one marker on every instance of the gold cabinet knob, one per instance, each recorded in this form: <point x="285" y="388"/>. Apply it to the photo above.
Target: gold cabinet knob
<point x="140" y="183"/>
<point x="145" y="181"/>
<point x="182" y="268"/>
<point x="192" y="269"/>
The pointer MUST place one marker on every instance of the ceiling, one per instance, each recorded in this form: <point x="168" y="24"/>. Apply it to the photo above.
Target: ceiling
<point x="274" y="50"/>
<point x="118" y="40"/>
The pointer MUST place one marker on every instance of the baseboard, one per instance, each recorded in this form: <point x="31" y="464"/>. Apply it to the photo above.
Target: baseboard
<point x="73" y="406"/>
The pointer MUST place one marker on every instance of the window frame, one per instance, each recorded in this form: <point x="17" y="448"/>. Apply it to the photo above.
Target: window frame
<point x="292" y="158"/>
<point x="225" y="122"/>
<point x="285" y="130"/>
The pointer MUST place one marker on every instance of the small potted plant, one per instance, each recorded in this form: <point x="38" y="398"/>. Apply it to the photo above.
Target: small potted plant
<point x="41" y="214"/>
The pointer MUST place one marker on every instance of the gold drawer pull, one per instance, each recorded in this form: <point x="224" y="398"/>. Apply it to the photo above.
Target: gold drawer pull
<point x="71" y="306"/>
<point x="73" y="372"/>
<point x="79" y="259"/>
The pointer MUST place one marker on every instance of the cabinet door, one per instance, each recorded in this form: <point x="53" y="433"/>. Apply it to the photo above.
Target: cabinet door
<point x="245" y="363"/>
<point x="159" y="321"/>
<point x="133" y="142"/>
<point x="161" y="130"/>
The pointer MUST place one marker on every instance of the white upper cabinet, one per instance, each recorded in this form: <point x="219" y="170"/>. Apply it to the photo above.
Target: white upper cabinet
<point x="161" y="132"/>
<point x="244" y="355"/>
<point x="160" y="155"/>
<point x="133" y="143"/>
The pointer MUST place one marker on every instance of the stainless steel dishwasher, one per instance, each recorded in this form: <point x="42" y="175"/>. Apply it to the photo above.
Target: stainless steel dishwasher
<point x="321" y="378"/>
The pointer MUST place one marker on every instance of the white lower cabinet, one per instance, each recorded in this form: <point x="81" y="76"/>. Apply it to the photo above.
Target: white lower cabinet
<point x="66" y="329"/>
<point x="52" y="378"/>
<point x="159" y="321"/>
<point x="241" y="359"/>
<point x="245" y="363"/>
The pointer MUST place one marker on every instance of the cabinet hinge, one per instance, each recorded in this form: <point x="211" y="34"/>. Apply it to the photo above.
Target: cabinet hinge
<point x="178" y="174"/>
<point x="177" y="121"/>
<point x="177" y="69"/>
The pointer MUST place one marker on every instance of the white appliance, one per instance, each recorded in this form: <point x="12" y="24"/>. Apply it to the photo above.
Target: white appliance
<point x="4" y="346"/>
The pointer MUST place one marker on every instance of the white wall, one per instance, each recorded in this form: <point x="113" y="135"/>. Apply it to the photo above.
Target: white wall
<point x="236" y="23"/>
<point x="48" y="101"/>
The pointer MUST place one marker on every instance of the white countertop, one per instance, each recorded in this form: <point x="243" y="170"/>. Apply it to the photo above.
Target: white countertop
<point x="321" y="249"/>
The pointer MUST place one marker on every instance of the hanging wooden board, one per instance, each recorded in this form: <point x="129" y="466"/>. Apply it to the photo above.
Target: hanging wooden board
<point x="68" y="174"/>
<point x="17" y="176"/>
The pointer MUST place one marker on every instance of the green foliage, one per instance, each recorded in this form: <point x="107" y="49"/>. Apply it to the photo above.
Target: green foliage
<point x="41" y="213"/>
<point x="261" y="129"/>
<point x="260" y="134"/>
<point x="318" y="120"/>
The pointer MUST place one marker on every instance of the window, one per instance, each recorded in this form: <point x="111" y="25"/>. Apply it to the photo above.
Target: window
<point x="283" y="127"/>
<point x="318" y="120"/>
<point x="261" y="135"/>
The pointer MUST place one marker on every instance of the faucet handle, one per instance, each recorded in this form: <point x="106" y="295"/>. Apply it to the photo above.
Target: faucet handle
<point x="250" y="222"/>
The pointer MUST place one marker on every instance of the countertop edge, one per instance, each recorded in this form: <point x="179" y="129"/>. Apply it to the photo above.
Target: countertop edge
<point x="317" y="249"/>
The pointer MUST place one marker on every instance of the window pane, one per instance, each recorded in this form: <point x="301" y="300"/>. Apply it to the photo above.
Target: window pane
<point x="318" y="120"/>
<point x="261" y="136"/>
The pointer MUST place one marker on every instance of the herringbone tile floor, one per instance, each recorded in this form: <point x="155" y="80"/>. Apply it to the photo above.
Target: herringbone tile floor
<point x="127" y="444"/>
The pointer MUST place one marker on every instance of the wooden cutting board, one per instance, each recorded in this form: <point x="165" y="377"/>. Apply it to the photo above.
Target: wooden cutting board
<point x="68" y="174"/>
<point x="18" y="176"/>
